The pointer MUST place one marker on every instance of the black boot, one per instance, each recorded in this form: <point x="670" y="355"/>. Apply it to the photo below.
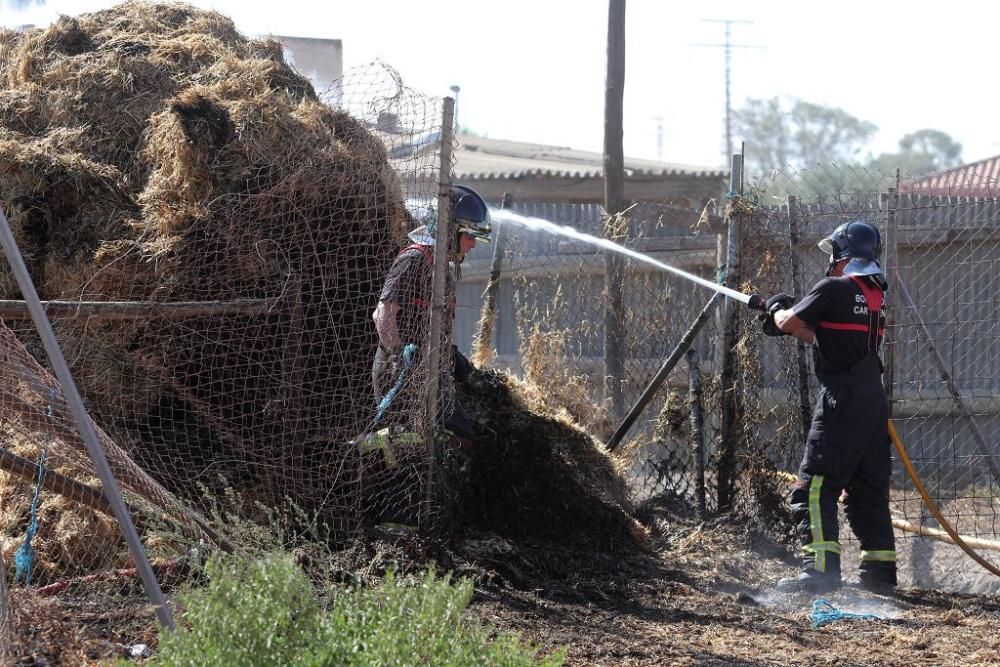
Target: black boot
<point x="809" y="581"/>
<point x="878" y="578"/>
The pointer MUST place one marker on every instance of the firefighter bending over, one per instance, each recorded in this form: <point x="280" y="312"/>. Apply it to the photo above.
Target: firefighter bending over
<point x="402" y="314"/>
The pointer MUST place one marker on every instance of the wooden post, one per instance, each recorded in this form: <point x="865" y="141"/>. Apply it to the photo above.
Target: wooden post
<point x="697" y="430"/>
<point x="483" y="345"/>
<point x="443" y="238"/>
<point x="727" y="376"/>
<point x="795" y="242"/>
<point x="614" y="204"/>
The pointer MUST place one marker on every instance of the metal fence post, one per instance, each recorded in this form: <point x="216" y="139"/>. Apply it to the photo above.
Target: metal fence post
<point x="794" y="242"/>
<point x="75" y="402"/>
<point x="435" y="338"/>
<point x="727" y="375"/>
<point x="661" y="375"/>
<point x="697" y="430"/>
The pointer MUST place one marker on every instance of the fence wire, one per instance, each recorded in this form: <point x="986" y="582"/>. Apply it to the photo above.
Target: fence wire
<point x="942" y="347"/>
<point x="234" y="230"/>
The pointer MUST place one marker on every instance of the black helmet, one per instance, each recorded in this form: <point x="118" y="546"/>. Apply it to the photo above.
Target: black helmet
<point x="854" y="240"/>
<point x="469" y="212"/>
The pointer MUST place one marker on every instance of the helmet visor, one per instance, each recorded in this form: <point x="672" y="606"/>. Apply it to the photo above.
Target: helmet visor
<point x="478" y="231"/>
<point x="826" y="245"/>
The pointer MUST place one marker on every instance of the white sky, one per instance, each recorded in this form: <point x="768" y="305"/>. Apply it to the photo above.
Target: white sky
<point x="533" y="70"/>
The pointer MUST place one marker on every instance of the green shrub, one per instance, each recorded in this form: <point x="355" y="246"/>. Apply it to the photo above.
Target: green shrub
<point x="255" y="613"/>
<point x="252" y="612"/>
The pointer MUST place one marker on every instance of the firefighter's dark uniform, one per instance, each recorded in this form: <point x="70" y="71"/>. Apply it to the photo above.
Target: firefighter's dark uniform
<point x="408" y="284"/>
<point x="847" y="448"/>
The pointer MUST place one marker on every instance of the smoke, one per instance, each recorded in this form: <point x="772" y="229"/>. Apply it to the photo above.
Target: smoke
<point x="17" y="13"/>
<point x="847" y="600"/>
<point x="22" y="4"/>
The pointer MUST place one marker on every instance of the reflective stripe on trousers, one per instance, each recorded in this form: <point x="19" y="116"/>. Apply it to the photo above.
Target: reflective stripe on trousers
<point x="819" y="546"/>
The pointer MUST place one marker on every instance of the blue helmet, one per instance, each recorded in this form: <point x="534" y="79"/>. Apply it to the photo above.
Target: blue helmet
<point x="469" y="215"/>
<point x="858" y="241"/>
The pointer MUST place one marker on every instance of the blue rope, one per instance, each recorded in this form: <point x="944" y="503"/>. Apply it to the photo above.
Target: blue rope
<point x="24" y="559"/>
<point x="409" y="355"/>
<point x="824" y="612"/>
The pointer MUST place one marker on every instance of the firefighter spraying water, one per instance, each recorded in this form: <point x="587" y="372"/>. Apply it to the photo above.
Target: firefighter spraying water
<point x="847" y="447"/>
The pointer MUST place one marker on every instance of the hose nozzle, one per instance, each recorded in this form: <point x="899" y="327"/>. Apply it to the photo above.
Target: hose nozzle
<point x="756" y="302"/>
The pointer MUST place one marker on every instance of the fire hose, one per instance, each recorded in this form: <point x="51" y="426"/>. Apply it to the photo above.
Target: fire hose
<point x="932" y="506"/>
<point x="756" y="303"/>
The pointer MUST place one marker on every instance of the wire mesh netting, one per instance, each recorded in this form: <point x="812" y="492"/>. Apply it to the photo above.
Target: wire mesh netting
<point x="219" y="235"/>
<point x="941" y="349"/>
<point x="549" y="321"/>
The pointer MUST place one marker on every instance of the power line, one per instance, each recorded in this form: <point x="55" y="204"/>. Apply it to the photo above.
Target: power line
<point x="729" y="46"/>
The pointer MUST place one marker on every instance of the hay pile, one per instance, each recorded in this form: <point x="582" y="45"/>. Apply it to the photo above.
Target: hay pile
<point x="151" y="152"/>
<point x="533" y="475"/>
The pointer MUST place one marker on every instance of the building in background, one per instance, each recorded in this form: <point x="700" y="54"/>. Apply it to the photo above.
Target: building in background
<point x="976" y="179"/>
<point x="566" y="186"/>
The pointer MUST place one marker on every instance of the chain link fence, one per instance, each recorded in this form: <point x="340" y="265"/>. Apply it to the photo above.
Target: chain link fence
<point x="549" y="322"/>
<point x="941" y="347"/>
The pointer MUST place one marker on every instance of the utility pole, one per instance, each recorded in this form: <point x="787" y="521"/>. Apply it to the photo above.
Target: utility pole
<point x="614" y="204"/>
<point x="728" y="46"/>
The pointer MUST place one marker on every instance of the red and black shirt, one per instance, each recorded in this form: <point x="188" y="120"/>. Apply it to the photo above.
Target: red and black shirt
<point x="846" y="331"/>
<point x="408" y="283"/>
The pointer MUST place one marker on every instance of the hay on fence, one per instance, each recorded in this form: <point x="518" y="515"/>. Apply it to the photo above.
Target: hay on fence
<point x="533" y="474"/>
<point x="69" y="541"/>
<point x="151" y="152"/>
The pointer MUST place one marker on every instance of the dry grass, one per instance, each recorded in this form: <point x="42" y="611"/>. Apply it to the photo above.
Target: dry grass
<point x="151" y="152"/>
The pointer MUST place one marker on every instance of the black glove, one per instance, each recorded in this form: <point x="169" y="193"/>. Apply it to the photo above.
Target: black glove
<point x="777" y="302"/>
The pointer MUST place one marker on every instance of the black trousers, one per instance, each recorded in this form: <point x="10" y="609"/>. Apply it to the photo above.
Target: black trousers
<point x="847" y="450"/>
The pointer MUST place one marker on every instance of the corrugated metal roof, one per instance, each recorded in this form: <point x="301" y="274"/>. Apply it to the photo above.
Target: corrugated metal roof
<point x="977" y="179"/>
<point x="484" y="158"/>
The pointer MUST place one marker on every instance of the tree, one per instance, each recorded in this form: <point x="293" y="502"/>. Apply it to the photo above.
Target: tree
<point x="922" y="152"/>
<point x="781" y="134"/>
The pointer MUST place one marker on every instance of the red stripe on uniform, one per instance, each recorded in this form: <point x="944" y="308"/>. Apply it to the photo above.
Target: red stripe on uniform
<point x="843" y="326"/>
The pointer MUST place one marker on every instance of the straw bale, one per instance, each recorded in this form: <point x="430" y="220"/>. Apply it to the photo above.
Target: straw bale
<point x="71" y="540"/>
<point x="151" y="152"/>
<point x="538" y="476"/>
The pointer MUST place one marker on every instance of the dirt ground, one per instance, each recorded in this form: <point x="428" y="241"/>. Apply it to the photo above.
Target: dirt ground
<point x="700" y="595"/>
